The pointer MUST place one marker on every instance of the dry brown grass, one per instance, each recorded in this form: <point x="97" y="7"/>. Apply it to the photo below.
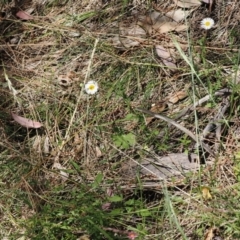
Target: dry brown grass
<point x="48" y="60"/>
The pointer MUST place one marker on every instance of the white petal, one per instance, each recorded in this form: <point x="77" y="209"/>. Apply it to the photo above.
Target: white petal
<point x="207" y="23"/>
<point x="91" y="87"/>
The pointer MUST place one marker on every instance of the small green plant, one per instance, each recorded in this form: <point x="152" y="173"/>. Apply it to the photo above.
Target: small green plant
<point x="124" y="141"/>
<point x="68" y="213"/>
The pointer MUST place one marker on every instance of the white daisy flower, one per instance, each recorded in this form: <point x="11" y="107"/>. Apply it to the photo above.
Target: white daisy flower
<point x="91" y="87"/>
<point x="207" y="23"/>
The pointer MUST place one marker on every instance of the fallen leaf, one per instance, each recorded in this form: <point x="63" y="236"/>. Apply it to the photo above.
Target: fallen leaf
<point x="14" y="40"/>
<point x="162" y="52"/>
<point x="64" y="80"/>
<point x="157" y="108"/>
<point x="46" y="146"/>
<point x="187" y="3"/>
<point x="62" y="169"/>
<point x="148" y="120"/>
<point x="37" y="143"/>
<point x="74" y="34"/>
<point x="165" y="24"/>
<point x="84" y="237"/>
<point x="177" y="96"/>
<point x="26" y="122"/>
<point x="98" y="152"/>
<point x="106" y="206"/>
<point x="178" y="14"/>
<point x="174" y="164"/>
<point x="132" y="36"/>
<point x="154" y="16"/>
<point x="24" y="15"/>
<point x="165" y="56"/>
<point x="132" y="235"/>
<point x="109" y="193"/>
<point x="78" y="142"/>
<point x="209" y="234"/>
<point x="208" y="1"/>
<point x="156" y="22"/>
<point x="206" y="193"/>
<point x="169" y="64"/>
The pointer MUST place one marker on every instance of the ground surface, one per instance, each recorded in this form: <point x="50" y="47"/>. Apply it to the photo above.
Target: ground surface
<point x="101" y="166"/>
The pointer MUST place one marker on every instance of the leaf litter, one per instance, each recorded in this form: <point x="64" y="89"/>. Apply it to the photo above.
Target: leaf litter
<point x="149" y="29"/>
<point x="165" y="56"/>
<point x="25" y="122"/>
<point x="24" y="15"/>
<point x="187" y="3"/>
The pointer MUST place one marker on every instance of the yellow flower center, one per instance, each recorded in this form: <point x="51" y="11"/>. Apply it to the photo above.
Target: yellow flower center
<point x="91" y="87"/>
<point x="207" y="24"/>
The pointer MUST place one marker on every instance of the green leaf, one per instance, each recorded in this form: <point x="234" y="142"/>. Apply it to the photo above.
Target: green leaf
<point x="131" y="138"/>
<point x="130" y="202"/>
<point x="131" y="116"/>
<point x="116" y="211"/>
<point x="115" y="198"/>
<point x="75" y="165"/>
<point x="144" y="213"/>
<point x="97" y="180"/>
<point x="124" y="141"/>
<point x="84" y="16"/>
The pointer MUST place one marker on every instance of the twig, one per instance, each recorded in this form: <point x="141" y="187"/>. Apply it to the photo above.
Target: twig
<point x="179" y="126"/>
<point x="222" y="92"/>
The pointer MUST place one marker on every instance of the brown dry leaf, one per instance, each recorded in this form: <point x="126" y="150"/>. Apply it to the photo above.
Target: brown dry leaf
<point x="64" y="80"/>
<point x="107" y="205"/>
<point x="187" y="3"/>
<point x="98" y="152"/>
<point x="26" y="122"/>
<point x="32" y="64"/>
<point x="78" y="142"/>
<point x="37" y="143"/>
<point x="84" y="237"/>
<point x="208" y="1"/>
<point x="209" y="234"/>
<point x="148" y="120"/>
<point x="165" y="56"/>
<point x="41" y="144"/>
<point x="164" y="25"/>
<point x="64" y="175"/>
<point x="162" y="52"/>
<point x="132" y="36"/>
<point x="177" y="96"/>
<point x="156" y="22"/>
<point x="178" y="14"/>
<point x="172" y="165"/>
<point x="206" y="193"/>
<point x="24" y="15"/>
<point x="46" y="145"/>
<point x="156" y="108"/>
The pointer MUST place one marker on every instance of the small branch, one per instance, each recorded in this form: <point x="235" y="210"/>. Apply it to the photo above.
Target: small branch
<point x="179" y="126"/>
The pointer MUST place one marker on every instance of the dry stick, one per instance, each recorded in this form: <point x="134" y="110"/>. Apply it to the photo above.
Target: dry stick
<point x="219" y="117"/>
<point x="179" y="126"/>
<point x="216" y="122"/>
<point x="221" y="92"/>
